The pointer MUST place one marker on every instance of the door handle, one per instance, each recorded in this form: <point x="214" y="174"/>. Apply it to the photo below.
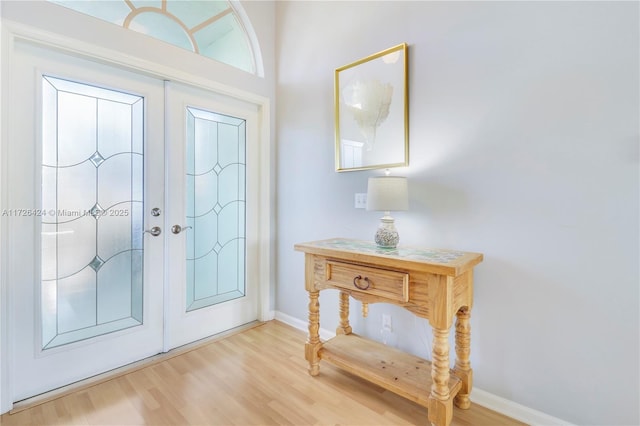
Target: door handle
<point x="155" y="231"/>
<point x="176" y="229"/>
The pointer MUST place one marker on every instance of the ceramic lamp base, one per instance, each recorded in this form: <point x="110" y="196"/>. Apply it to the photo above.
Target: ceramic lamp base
<point x="387" y="234"/>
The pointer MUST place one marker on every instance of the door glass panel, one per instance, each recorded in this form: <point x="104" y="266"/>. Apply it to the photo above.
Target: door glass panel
<point x="92" y="212"/>
<point x="215" y="147"/>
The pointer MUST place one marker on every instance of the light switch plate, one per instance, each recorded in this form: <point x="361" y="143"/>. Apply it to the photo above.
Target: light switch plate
<point x="361" y="200"/>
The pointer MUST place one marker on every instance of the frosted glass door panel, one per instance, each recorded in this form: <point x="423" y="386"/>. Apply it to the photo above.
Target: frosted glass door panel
<point x="216" y="166"/>
<point x="92" y="213"/>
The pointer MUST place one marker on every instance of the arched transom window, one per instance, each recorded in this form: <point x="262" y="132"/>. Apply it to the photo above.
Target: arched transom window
<point x="213" y="28"/>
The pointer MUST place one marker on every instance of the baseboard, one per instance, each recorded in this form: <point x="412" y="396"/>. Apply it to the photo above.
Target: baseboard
<point x="268" y="315"/>
<point x="481" y="397"/>
<point x="302" y="325"/>
<point x="514" y="410"/>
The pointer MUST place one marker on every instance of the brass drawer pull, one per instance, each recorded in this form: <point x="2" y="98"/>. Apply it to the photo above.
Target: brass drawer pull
<point x="357" y="279"/>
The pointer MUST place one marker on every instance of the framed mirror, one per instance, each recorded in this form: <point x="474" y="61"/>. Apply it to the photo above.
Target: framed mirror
<point x="372" y="112"/>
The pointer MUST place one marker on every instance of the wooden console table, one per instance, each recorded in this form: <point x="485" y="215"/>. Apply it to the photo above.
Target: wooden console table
<point x="433" y="284"/>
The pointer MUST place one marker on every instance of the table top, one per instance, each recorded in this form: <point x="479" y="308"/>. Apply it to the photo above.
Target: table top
<point x="446" y="262"/>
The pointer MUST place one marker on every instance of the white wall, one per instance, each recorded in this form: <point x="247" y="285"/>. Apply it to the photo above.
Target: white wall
<point x="524" y="146"/>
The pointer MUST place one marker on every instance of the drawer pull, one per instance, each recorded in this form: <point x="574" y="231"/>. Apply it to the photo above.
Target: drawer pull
<point x="357" y="279"/>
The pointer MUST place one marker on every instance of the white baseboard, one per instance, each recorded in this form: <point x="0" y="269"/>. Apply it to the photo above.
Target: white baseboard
<point x="493" y="402"/>
<point x="267" y="315"/>
<point x="302" y="325"/>
<point x="515" y="410"/>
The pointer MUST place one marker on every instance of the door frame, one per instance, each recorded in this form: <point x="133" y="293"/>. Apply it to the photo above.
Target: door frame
<point x="10" y="32"/>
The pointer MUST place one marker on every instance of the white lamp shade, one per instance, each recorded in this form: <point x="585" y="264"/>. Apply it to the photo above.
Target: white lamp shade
<point x="387" y="193"/>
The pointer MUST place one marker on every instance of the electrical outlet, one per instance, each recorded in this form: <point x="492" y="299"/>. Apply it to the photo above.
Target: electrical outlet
<point x="361" y="200"/>
<point x="386" y="323"/>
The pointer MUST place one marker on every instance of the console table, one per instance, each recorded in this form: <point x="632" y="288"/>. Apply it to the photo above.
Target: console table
<point x="432" y="284"/>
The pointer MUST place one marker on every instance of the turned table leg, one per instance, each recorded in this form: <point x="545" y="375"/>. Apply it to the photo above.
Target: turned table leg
<point x="313" y="341"/>
<point x="344" y="327"/>
<point x="440" y="403"/>
<point x="463" y="365"/>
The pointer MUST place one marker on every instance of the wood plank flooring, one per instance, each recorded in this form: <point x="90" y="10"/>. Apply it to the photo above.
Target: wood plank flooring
<point x="256" y="377"/>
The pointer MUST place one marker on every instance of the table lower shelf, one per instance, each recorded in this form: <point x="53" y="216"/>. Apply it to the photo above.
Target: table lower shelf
<point x="407" y="375"/>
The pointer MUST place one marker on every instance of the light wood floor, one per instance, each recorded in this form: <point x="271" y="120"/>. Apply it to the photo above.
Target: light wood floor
<point x="256" y="377"/>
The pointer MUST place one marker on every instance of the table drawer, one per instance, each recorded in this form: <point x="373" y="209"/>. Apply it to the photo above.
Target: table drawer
<point x="363" y="279"/>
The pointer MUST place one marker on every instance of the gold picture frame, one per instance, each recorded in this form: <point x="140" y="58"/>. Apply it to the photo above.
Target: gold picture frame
<point x="372" y="112"/>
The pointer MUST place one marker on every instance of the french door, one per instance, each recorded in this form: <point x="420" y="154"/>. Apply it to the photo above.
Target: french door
<point x="213" y="221"/>
<point x="125" y="218"/>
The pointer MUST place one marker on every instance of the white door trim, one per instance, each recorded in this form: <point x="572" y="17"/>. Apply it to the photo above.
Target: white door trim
<point x="12" y="32"/>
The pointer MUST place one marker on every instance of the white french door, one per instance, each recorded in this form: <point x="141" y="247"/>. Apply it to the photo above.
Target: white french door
<point x="212" y="211"/>
<point x="85" y="165"/>
<point x="125" y="219"/>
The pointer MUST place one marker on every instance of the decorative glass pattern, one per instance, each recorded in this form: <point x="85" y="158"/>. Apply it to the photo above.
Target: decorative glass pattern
<point x="211" y="28"/>
<point x="92" y="215"/>
<point x="216" y="168"/>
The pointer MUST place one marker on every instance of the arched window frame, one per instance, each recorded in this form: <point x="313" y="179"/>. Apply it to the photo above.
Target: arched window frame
<point x="234" y="7"/>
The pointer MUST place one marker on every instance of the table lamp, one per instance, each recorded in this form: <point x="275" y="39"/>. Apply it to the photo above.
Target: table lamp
<point x="387" y="194"/>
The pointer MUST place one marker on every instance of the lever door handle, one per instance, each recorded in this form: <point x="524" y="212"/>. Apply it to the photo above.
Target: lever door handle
<point x="176" y="229"/>
<point x="155" y="231"/>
